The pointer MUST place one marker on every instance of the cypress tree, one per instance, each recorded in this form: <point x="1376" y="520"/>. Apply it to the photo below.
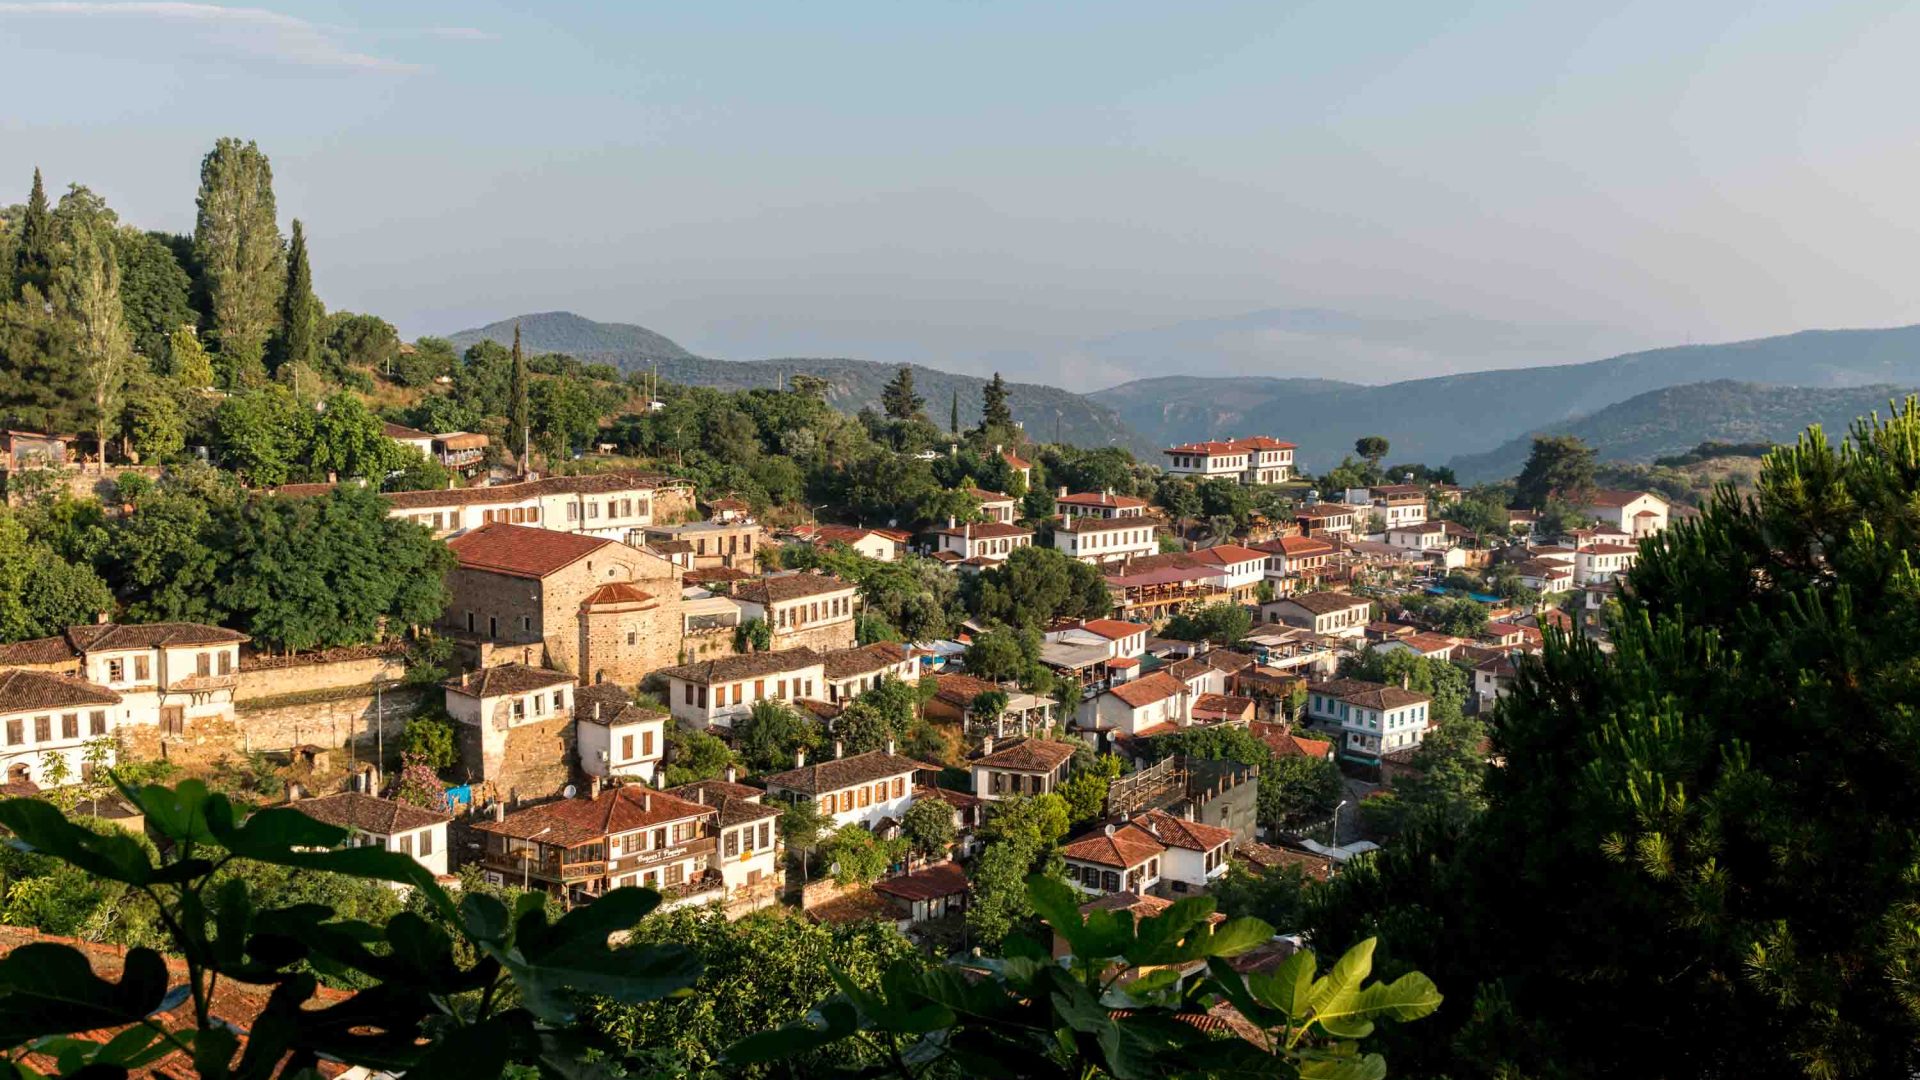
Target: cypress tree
<point x="33" y="253"/>
<point x="517" y="418"/>
<point x="994" y="411"/>
<point x="299" y="311"/>
<point x="954" y="422"/>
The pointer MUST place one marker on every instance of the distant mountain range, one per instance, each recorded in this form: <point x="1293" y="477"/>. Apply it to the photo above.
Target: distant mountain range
<point x="1436" y="420"/>
<point x="1307" y="342"/>
<point x="851" y="384"/>
<point x="1676" y="419"/>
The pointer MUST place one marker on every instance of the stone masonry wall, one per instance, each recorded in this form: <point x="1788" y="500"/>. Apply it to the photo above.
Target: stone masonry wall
<point x="819" y="638"/>
<point x="323" y="719"/>
<point x="264" y="681"/>
<point x="532" y="761"/>
<point x="656" y="643"/>
<point x="673" y="505"/>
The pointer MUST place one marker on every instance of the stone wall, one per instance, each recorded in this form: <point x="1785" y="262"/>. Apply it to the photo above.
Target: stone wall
<point x="329" y="719"/>
<point x="820" y="637"/>
<point x="672" y="505"/>
<point x="627" y="643"/>
<point x="82" y="483"/>
<point x="271" y="677"/>
<point x="711" y="644"/>
<point x="535" y="761"/>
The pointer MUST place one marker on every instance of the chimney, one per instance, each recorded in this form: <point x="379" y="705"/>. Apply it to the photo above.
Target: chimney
<point x="449" y="483"/>
<point x="952" y="522"/>
<point x="646" y="800"/>
<point x="332" y="477"/>
<point x="593" y="788"/>
<point x="596" y="710"/>
<point x="838" y="750"/>
<point x="499" y="811"/>
<point x="986" y="746"/>
<point x="889" y="747"/>
<point x="294" y="792"/>
<point x="1403" y="680"/>
<point x="732" y="773"/>
<point x="101" y="618"/>
<point x="800" y="757"/>
<point x="1062" y="493"/>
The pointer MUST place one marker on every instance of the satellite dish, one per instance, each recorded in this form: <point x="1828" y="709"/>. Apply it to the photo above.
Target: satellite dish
<point x="569" y="791"/>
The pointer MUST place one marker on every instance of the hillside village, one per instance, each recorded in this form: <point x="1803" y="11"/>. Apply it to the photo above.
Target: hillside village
<point x="551" y="628"/>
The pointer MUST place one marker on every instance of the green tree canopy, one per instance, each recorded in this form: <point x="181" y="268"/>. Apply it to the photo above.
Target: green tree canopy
<point x="1558" y="466"/>
<point x="237" y="243"/>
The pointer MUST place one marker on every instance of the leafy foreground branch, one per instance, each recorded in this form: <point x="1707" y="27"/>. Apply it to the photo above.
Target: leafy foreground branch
<point x="1119" y="1007"/>
<point x="463" y="993"/>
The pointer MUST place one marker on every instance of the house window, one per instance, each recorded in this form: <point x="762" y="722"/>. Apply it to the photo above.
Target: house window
<point x="559" y="701"/>
<point x="203" y="663"/>
<point x="70" y="726"/>
<point x="526" y="624"/>
<point x="226" y="663"/>
<point x="116" y="671"/>
<point x="731" y="846"/>
<point x="470" y="622"/>
<point x="97" y="722"/>
<point x="141" y="669"/>
<point x="43" y="729"/>
<point x="676" y="874"/>
<point x="633" y="638"/>
<point x="865" y="798"/>
<point x="646" y="744"/>
<point x="626" y="748"/>
<point x="519" y="710"/>
<point x="766" y="835"/>
<point x="426" y="842"/>
<point x="632" y="843"/>
<point x="406" y="844"/>
<point x="14" y="737"/>
<point x="899" y="786"/>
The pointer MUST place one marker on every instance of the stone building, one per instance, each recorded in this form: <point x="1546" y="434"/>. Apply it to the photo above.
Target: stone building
<point x="581" y="604"/>
<point x="613" y="506"/>
<point x="732" y="544"/>
<point x="813" y="611"/>
<point x="516" y="728"/>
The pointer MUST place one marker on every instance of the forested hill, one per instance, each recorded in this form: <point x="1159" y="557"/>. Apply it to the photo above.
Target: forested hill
<point x="1442" y="418"/>
<point x="1669" y="421"/>
<point x="851" y="384"/>
<point x="623" y="344"/>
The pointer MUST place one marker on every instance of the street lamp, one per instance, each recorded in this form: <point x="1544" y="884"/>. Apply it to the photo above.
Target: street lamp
<point x="1336" y="820"/>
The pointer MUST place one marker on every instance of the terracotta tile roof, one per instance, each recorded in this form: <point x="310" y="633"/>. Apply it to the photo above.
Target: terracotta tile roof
<point x="1610" y="549"/>
<point x="985" y="530"/>
<point x="608" y="705"/>
<point x="1325" y="510"/>
<point x="368" y="813"/>
<point x="840" y="534"/>
<point x="850" y="663"/>
<point x="1029" y="755"/>
<point x="1614" y="498"/>
<point x="397" y="431"/>
<point x="853" y="906"/>
<point x="927" y="883"/>
<point x="1095" y="525"/>
<point x="1181" y="833"/>
<point x="1016" y="460"/>
<point x="1113" y="629"/>
<point x="1144" y="691"/>
<point x="714" y="574"/>
<point x="957" y="689"/>
<point x="1430" y="643"/>
<point x="103" y="637"/>
<point x="837" y="773"/>
<point x="1129" y="845"/>
<point x="1101" y="499"/>
<point x="1226" y="660"/>
<point x="1500" y="667"/>
<point x="959" y="800"/>
<point x="1230" y="446"/>
<point x="1296" y="546"/>
<point x="37" y="651"/>
<point x="578" y="821"/>
<point x="776" y="590"/>
<point x="1188" y="668"/>
<point x="746" y="666"/>
<point x="506" y="679"/>
<point x="986" y="496"/>
<point x="1369" y="695"/>
<point x="1143" y="907"/>
<point x="1326" y="603"/>
<point x="22" y="690"/>
<point x="521" y="551"/>
<point x="616" y="594"/>
<point x="735" y="808"/>
<point x="1268" y="856"/>
<point x="594" y="484"/>
<point x="1283" y="743"/>
<point x="1222" y="707"/>
<point x="1226" y="554"/>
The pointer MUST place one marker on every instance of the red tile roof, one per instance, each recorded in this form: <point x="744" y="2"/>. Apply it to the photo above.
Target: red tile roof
<point x="1128" y="846"/>
<point x="519" y="551"/>
<point x="579" y="821"/>
<point x="1112" y="629"/>
<point x="1181" y="833"/>
<point x="616" y="593"/>
<point x="1030" y="755"/>
<point x="1100" y="499"/>
<point x="1230" y="446"/>
<point x="1615" y="498"/>
<point x="1296" y="546"/>
<point x="927" y="883"/>
<point x="1144" y="691"/>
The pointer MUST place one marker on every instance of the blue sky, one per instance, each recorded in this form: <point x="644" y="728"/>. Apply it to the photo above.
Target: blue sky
<point x="991" y="183"/>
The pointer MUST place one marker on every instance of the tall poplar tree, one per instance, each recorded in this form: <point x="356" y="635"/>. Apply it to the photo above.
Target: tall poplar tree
<point x="237" y="242"/>
<point x="517" y="408"/>
<point x="85" y="290"/>
<point x="953" y="423"/>
<point x="299" y="310"/>
<point x="33" y="250"/>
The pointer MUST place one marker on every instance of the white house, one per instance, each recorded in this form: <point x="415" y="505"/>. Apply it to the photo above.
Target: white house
<point x="997" y="507"/>
<point x="1639" y="514"/>
<point x="1099" y="504"/>
<point x="1293" y="561"/>
<point x="607" y="505"/>
<point x="43" y="713"/>
<point x="793" y="604"/>
<point x="1371" y="718"/>
<point x="715" y="692"/>
<point x="615" y="737"/>
<point x="1328" y="614"/>
<point x="1492" y="679"/>
<point x="1331" y="519"/>
<point x="175" y="674"/>
<point x="1595" y="563"/>
<point x="866" y="789"/>
<point x="884" y="545"/>
<point x="852" y="672"/>
<point x="1020" y="767"/>
<point x="1117" y="637"/>
<point x="748" y="837"/>
<point x="1099" y="540"/>
<point x="1544" y="575"/>
<point x="979" y="543"/>
<point x="1137" y="706"/>
<point x="494" y="701"/>
<point x="1253" y="461"/>
<point x="1197" y="854"/>
<point x="1428" y="535"/>
<point x="1118" y="859"/>
<point x="1397" y="504"/>
<point x="388" y="824"/>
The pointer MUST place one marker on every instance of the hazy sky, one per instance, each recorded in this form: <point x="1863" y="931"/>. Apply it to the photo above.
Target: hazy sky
<point x="978" y="182"/>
